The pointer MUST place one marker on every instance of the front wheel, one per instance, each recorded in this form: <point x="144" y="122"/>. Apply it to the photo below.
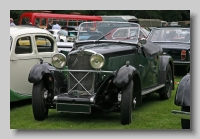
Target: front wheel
<point x="126" y="104"/>
<point x="185" y="123"/>
<point x="39" y="97"/>
<point x="165" y="92"/>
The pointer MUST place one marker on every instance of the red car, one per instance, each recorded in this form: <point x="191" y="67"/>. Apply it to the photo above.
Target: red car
<point x="127" y="33"/>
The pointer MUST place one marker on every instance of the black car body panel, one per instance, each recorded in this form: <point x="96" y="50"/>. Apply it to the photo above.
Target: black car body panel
<point x="182" y="97"/>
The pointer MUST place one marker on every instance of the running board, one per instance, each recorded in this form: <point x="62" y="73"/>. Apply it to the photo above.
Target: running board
<point x="152" y="89"/>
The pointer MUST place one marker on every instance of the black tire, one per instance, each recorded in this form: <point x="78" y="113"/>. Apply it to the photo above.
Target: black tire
<point x="185" y="123"/>
<point x="61" y="41"/>
<point x="165" y="92"/>
<point x="127" y="104"/>
<point x="40" y="109"/>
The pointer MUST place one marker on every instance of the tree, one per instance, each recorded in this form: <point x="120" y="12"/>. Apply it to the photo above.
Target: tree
<point x="167" y="15"/>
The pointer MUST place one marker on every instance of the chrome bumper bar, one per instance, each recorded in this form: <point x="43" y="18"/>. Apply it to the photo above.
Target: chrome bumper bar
<point x="181" y="114"/>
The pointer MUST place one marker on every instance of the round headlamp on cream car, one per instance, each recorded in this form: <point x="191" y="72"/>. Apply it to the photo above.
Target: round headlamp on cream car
<point x="59" y="60"/>
<point x="97" y="61"/>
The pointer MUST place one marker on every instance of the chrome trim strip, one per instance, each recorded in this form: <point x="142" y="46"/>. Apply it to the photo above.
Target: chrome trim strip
<point x="23" y="59"/>
<point x="181" y="114"/>
<point x="181" y="62"/>
<point x="153" y="89"/>
<point x="92" y="99"/>
<point x="82" y="70"/>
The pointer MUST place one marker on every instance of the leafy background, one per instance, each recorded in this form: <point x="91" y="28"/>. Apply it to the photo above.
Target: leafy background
<point x="166" y="15"/>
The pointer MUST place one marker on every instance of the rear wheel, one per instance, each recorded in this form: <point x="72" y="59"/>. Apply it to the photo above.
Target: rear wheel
<point x="126" y="104"/>
<point x="165" y="92"/>
<point x="39" y="98"/>
<point x="185" y="123"/>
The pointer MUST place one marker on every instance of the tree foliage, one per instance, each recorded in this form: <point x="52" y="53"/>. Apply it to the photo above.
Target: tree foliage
<point x="167" y="15"/>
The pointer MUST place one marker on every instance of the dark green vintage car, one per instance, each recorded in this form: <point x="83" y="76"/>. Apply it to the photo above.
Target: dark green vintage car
<point x="110" y="70"/>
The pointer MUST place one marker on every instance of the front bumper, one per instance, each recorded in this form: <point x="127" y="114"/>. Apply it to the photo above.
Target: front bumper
<point x="72" y="104"/>
<point x="186" y="63"/>
<point x="181" y="114"/>
<point x="72" y="101"/>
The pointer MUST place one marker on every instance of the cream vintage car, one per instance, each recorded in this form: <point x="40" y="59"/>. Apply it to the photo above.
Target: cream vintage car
<point x="28" y="46"/>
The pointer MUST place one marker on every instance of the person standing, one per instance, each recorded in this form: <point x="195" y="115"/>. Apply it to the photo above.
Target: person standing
<point x="49" y="26"/>
<point x="37" y="24"/>
<point x="56" y="26"/>
<point x="12" y="22"/>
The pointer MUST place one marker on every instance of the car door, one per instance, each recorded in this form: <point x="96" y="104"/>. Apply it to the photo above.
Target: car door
<point x="148" y="68"/>
<point x="22" y="58"/>
<point x="45" y="47"/>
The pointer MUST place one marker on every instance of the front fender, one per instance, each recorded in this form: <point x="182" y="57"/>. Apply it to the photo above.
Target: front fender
<point x="182" y="97"/>
<point x="123" y="76"/>
<point x="38" y="71"/>
<point x="164" y="60"/>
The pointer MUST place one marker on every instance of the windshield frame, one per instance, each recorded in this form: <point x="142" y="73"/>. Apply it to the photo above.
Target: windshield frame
<point x="97" y="23"/>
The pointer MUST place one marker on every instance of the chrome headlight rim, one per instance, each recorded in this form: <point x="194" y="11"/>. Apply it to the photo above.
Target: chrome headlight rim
<point x="60" y="64"/>
<point x="97" y="56"/>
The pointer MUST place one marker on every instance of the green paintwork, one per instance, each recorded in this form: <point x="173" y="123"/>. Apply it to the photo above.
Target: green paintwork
<point x="16" y="97"/>
<point x="65" y="52"/>
<point x="73" y="108"/>
<point x="147" y="75"/>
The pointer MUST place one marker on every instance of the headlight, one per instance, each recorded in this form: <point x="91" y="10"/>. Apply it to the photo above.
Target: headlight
<point x="97" y="61"/>
<point x="59" y="60"/>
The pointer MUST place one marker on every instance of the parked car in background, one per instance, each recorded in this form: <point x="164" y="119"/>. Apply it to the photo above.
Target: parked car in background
<point x="70" y="28"/>
<point x="175" y="41"/>
<point x="28" y="46"/>
<point x="72" y="35"/>
<point x="62" y="35"/>
<point x="64" y="47"/>
<point x="127" y="33"/>
<point x="54" y="32"/>
<point x="106" y="74"/>
<point x="182" y="99"/>
<point x="59" y="34"/>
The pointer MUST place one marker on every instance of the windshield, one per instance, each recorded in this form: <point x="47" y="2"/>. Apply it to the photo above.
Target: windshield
<point x="170" y="35"/>
<point x="108" y="30"/>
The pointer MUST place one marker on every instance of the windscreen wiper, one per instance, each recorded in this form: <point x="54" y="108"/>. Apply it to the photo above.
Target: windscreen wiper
<point x="103" y="37"/>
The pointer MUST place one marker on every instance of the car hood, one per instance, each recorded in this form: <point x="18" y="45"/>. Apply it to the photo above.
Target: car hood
<point x="173" y="45"/>
<point x="106" y="48"/>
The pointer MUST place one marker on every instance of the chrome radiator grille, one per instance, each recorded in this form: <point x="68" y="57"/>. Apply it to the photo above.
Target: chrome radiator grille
<point x="76" y="62"/>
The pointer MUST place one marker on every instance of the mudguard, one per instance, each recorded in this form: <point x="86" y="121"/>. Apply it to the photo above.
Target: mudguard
<point x="123" y="76"/>
<point x="164" y="60"/>
<point x="38" y="71"/>
<point x="182" y="97"/>
<point x="59" y="79"/>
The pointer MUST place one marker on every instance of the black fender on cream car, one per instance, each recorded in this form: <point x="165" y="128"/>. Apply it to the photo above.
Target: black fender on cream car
<point x="55" y="79"/>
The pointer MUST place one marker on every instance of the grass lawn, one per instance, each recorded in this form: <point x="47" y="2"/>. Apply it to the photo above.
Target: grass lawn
<point x="153" y="115"/>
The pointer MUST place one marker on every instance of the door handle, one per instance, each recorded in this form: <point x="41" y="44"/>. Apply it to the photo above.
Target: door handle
<point x="13" y="59"/>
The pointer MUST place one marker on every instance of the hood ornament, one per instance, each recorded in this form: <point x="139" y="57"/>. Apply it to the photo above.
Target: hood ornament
<point x="80" y="52"/>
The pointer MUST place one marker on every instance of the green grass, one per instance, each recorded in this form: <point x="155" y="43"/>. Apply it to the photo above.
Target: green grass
<point x="153" y="115"/>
